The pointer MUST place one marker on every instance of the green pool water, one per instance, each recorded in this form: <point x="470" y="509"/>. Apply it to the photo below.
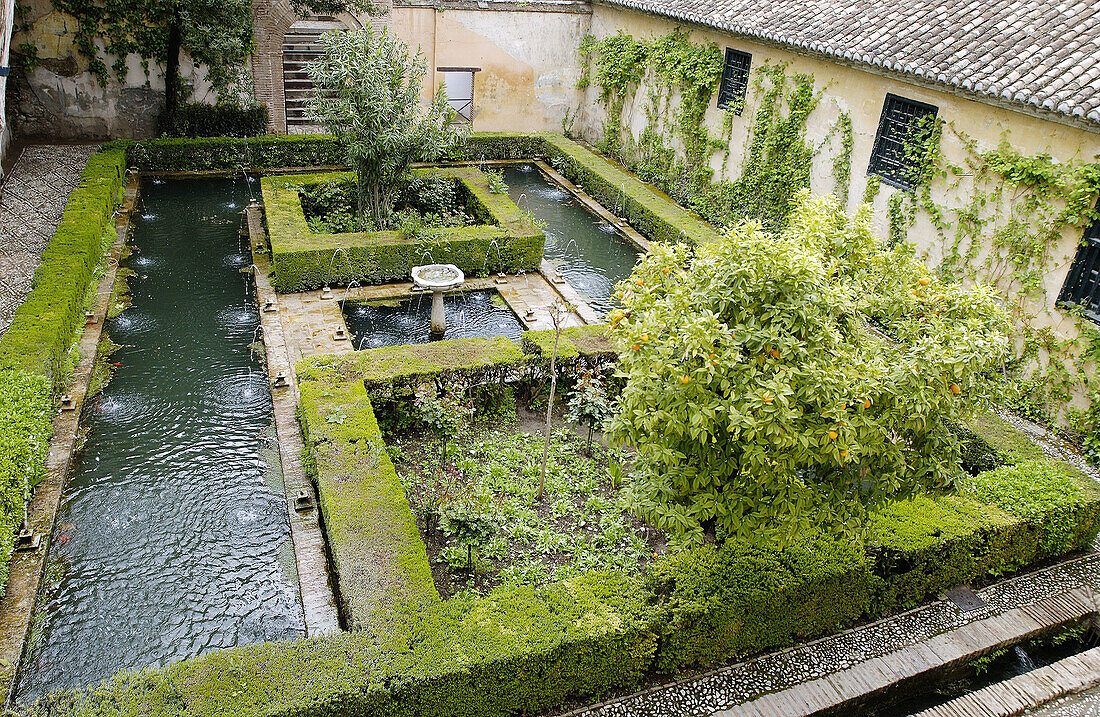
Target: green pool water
<point x="173" y="537"/>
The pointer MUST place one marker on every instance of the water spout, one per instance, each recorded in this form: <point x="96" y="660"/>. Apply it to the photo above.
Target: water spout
<point x="345" y="298"/>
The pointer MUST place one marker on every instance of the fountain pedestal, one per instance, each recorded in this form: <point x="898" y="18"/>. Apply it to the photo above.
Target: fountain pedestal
<point x="438" y="278"/>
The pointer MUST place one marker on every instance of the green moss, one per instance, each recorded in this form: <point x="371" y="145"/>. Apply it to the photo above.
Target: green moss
<point x="359" y="493"/>
<point x="305" y="260"/>
<point x="731" y="601"/>
<point x="589" y="341"/>
<point x="37" y="351"/>
<point x="383" y="369"/>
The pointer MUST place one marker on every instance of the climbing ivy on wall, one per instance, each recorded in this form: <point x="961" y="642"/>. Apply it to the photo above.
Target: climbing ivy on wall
<point x="1007" y="214"/>
<point x="675" y="148"/>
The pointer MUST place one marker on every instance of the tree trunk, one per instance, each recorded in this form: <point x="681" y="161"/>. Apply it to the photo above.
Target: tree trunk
<point x="549" y="410"/>
<point x="172" y="64"/>
<point x="361" y="196"/>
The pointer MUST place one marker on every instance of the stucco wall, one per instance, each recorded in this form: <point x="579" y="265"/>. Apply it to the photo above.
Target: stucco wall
<point x="861" y="94"/>
<point x="62" y="100"/>
<point x="526" y="57"/>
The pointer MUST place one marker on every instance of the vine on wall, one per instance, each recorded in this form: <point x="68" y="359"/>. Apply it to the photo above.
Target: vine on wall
<point x="1004" y="214"/>
<point x="675" y="148"/>
<point x="1014" y="211"/>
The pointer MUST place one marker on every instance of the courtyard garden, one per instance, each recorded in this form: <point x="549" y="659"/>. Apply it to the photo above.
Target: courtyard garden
<point x="766" y="433"/>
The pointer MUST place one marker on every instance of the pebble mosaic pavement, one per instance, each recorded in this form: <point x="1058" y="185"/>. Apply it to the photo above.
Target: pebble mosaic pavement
<point x="32" y="199"/>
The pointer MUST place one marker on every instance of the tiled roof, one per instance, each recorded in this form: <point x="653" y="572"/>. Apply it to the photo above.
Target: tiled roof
<point x="1042" y="53"/>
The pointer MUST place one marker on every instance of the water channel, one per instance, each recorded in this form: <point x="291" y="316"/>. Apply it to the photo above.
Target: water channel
<point x="173" y="537"/>
<point x="587" y="251"/>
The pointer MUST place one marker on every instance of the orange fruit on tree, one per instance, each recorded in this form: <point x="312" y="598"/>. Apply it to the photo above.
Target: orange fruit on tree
<point x="843" y="454"/>
<point x="866" y="403"/>
<point x="925" y="281"/>
<point x="844" y="407"/>
<point x="685" y="378"/>
<point x="645" y="337"/>
<point x="955" y="389"/>
<point x="635" y="347"/>
<point x="767" y="398"/>
<point x="832" y="435"/>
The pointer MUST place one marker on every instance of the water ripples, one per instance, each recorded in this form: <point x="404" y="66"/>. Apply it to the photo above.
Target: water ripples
<point x="173" y="538"/>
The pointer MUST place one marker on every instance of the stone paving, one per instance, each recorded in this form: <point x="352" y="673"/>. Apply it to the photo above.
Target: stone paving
<point x="32" y="199"/>
<point x="318" y="601"/>
<point x="721" y="689"/>
<point x="311" y="319"/>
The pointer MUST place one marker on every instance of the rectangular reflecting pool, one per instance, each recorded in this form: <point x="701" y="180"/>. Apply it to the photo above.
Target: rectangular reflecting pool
<point x="469" y="314"/>
<point x="588" y="252"/>
<point x="172" y="536"/>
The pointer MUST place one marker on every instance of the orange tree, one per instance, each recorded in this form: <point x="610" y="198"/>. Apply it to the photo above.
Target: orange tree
<point x="780" y="380"/>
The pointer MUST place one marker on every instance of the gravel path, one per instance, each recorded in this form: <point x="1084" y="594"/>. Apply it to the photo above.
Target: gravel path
<point x="32" y="199"/>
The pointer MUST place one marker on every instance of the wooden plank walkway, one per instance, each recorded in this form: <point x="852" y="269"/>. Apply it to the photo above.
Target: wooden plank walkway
<point x="840" y="691"/>
<point x="318" y="602"/>
<point x="1023" y="692"/>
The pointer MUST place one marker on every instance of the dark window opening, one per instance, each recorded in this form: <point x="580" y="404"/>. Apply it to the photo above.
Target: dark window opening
<point x="1082" y="287"/>
<point x="902" y="127"/>
<point x="735" y="81"/>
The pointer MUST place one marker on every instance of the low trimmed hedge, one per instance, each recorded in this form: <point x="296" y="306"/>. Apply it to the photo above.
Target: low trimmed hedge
<point x="36" y="352"/>
<point x="516" y="651"/>
<point x="590" y="342"/>
<point x="198" y="119"/>
<point x="48" y="322"/>
<point x="360" y="491"/>
<point x="649" y="210"/>
<point x="206" y="154"/>
<point x="26" y="410"/>
<point x="400" y="369"/>
<point x="734" y="600"/>
<point x="304" y="260"/>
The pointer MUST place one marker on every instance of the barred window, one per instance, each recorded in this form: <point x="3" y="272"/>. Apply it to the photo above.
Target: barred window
<point x="1082" y="287"/>
<point x="735" y="80"/>
<point x="900" y="126"/>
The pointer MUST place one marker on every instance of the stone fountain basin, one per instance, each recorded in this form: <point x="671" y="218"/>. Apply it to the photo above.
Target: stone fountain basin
<point x="438" y="277"/>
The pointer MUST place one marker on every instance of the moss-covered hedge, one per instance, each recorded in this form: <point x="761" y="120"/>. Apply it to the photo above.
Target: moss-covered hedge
<point x="37" y="351"/>
<point x="521" y="650"/>
<point x="232" y="153"/>
<point x="46" y="325"/>
<point x="304" y="260"/>
<point x="648" y="209"/>
<point x="589" y="342"/>
<point x="359" y="491"/>
<point x="734" y="600"/>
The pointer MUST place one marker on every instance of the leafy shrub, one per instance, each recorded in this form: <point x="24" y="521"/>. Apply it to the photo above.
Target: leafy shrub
<point x="759" y="397"/>
<point x="222" y="120"/>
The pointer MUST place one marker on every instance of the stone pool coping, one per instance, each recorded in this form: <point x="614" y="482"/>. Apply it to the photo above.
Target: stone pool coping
<point x="27" y="568"/>
<point x="314" y="584"/>
<point x="311" y="321"/>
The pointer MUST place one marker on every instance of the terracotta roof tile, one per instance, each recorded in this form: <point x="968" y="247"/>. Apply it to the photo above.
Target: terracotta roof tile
<point x="1029" y="52"/>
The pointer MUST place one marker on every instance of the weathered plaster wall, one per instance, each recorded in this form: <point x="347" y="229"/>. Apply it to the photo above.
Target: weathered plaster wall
<point x="62" y="100"/>
<point x="526" y="55"/>
<point x="861" y="94"/>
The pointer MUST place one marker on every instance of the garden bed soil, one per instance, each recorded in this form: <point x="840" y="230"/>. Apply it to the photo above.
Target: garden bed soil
<point x="574" y="505"/>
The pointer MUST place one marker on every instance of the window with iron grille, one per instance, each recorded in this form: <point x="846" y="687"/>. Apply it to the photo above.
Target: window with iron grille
<point x="735" y="80"/>
<point x="1082" y="287"/>
<point x="900" y="127"/>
